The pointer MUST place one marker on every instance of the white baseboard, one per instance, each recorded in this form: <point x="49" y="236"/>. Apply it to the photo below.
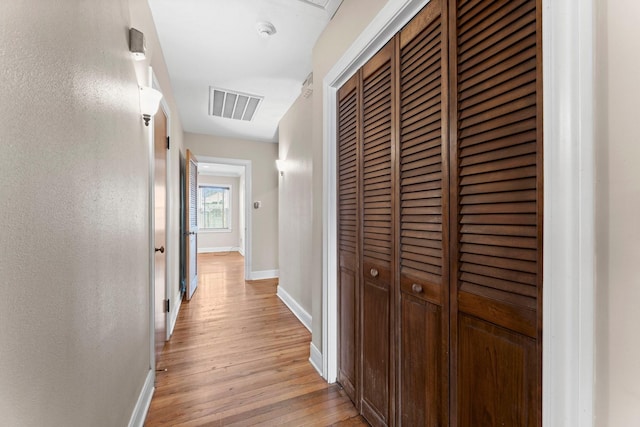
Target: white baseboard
<point x="241" y="251"/>
<point x="301" y="313"/>
<point x="173" y="314"/>
<point x="264" y="274"/>
<point x="315" y="358"/>
<point x="144" y="400"/>
<point x="218" y="249"/>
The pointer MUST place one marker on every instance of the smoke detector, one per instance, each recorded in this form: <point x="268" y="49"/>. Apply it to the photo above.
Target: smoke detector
<point x="265" y="29"/>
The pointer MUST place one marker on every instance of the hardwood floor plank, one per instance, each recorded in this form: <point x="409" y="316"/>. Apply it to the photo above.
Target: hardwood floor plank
<point x="239" y="357"/>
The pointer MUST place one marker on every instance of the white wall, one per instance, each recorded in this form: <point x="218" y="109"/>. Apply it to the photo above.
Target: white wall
<point x="215" y="241"/>
<point x="350" y="20"/>
<point x="617" y="214"/>
<point x="264" y="188"/>
<point x="295" y="198"/>
<point x="74" y="240"/>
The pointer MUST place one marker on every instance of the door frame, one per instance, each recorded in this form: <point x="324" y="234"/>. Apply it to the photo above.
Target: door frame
<point x="247" y="205"/>
<point x="569" y="205"/>
<point x="168" y="218"/>
<point x="169" y="253"/>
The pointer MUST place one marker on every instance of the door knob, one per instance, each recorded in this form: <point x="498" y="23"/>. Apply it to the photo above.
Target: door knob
<point x="374" y="272"/>
<point x="416" y="288"/>
<point x="160" y="249"/>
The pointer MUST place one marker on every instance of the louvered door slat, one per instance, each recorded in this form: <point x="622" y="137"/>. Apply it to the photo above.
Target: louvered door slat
<point x="377" y="231"/>
<point x="497" y="212"/>
<point x="422" y="255"/>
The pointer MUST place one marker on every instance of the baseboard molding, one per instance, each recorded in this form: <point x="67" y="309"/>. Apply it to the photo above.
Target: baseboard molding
<point x="264" y="274"/>
<point x="218" y="249"/>
<point x="144" y="400"/>
<point x="301" y="313"/>
<point x="315" y="358"/>
<point x="175" y="309"/>
<point x="241" y="251"/>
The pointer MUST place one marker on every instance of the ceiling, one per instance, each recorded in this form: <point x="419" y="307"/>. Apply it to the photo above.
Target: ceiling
<point x="215" y="43"/>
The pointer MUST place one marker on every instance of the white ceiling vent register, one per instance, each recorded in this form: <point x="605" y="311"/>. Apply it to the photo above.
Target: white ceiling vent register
<point x="233" y="105"/>
<point x="329" y="6"/>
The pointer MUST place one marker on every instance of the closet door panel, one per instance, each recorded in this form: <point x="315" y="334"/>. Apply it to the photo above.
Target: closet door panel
<point x="378" y="237"/>
<point x="423" y="243"/>
<point x="348" y="235"/>
<point x="497" y="214"/>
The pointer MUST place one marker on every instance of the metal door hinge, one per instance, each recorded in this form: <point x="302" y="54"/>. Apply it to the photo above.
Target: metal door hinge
<point x="168" y="143"/>
<point x="168" y="305"/>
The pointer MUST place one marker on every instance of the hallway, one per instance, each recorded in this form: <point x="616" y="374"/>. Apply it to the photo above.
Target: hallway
<point x="238" y="356"/>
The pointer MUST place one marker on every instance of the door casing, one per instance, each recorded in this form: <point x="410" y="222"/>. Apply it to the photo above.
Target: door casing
<point x="569" y="251"/>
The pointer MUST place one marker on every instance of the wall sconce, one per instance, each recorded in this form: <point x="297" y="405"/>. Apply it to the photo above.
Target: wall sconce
<point x="137" y="46"/>
<point x="280" y="166"/>
<point x="149" y="102"/>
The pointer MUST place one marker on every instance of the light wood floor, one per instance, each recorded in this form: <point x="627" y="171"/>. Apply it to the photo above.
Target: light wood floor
<point x="239" y="357"/>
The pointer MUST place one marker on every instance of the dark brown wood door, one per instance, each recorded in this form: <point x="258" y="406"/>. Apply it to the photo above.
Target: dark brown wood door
<point x="348" y="235"/>
<point x="497" y="213"/>
<point x="423" y="380"/>
<point x="378" y="237"/>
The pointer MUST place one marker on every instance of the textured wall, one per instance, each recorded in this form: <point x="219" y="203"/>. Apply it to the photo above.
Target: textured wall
<point x="295" y="199"/>
<point x="264" y="187"/>
<point x="74" y="268"/>
<point x="617" y="214"/>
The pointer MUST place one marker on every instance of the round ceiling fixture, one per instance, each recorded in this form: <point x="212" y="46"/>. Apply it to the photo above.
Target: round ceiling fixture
<point x="265" y="29"/>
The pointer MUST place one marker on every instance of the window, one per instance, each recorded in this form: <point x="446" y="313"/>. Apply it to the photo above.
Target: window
<point x="214" y="205"/>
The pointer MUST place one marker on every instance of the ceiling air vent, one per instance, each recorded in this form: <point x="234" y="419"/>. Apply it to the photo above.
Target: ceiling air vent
<point x="233" y="105"/>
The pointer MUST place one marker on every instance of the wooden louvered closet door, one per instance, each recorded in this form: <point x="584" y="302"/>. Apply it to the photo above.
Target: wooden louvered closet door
<point x="423" y="188"/>
<point x="497" y="213"/>
<point x="440" y="220"/>
<point x="348" y="234"/>
<point x="378" y="237"/>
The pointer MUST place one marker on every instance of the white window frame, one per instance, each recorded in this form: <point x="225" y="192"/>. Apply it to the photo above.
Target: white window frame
<point x="229" y="227"/>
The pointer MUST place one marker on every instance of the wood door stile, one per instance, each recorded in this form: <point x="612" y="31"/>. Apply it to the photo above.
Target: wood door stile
<point x="378" y="251"/>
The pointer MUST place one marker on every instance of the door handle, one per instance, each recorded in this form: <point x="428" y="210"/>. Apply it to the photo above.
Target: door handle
<point x="160" y="249"/>
<point x="416" y="288"/>
<point x="374" y="272"/>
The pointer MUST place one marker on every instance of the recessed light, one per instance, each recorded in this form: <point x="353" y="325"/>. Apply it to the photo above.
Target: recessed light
<point x="265" y="29"/>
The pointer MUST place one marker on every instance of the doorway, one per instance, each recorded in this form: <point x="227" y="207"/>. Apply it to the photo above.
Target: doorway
<point x="234" y="175"/>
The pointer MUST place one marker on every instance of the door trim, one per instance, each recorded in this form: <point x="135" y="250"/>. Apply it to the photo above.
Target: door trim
<point x="248" y="272"/>
<point x="171" y="255"/>
<point x="152" y="266"/>
<point x="569" y="205"/>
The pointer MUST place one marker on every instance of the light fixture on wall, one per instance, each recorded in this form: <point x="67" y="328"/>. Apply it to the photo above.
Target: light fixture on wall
<point x="280" y="166"/>
<point x="149" y="102"/>
<point x="137" y="45"/>
<point x="265" y="29"/>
